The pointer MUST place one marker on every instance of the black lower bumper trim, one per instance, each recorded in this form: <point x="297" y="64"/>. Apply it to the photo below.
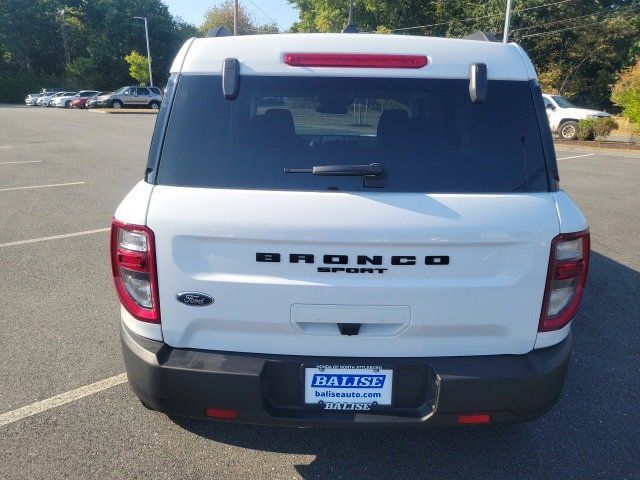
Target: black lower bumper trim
<point x="267" y="389"/>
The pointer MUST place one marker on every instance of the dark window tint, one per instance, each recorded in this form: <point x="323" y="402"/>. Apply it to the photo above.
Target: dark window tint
<point x="155" y="91"/>
<point x="142" y="91"/>
<point x="426" y="133"/>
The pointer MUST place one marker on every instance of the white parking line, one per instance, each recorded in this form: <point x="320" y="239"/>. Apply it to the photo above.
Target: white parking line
<point x="577" y="156"/>
<point x="53" y="237"/>
<point x="23" y="161"/>
<point x="42" y="186"/>
<point x="2" y="147"/>
<point x="58" y="400"/>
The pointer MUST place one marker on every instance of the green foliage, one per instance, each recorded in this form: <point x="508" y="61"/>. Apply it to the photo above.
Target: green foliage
<point x="81" y="44"/>
<point x="626" y="92"/>
<point x="595" y="128"/>
<point x="222" y="16"/>
<point x="138" y="67"/>
<point x="82" y="73"/>
<point x="576" y="46"/>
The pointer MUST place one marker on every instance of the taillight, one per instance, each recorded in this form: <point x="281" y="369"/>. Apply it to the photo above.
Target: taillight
<point x="566" y="277"/>
<point x="357" y="60"/>
<point x="134" y="270"/>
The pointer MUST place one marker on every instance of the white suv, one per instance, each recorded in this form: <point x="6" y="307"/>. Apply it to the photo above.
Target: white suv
<point x="340" y="229"/>
<point x="564" y="116"/>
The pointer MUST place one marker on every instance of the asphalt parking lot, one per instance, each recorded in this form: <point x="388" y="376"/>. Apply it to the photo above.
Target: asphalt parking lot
<point x="63" y="172"/>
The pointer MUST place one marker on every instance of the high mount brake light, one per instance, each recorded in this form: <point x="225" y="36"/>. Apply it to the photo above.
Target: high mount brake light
<point x="133" y="265"/>
<point x="566" y="278"/>
<point x="356" y="60"/>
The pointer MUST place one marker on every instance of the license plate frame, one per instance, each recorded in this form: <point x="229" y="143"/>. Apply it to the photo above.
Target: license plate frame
<point x="342" y="380"/>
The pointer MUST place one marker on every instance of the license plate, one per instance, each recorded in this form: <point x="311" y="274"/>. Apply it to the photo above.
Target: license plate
<point x="347" y="388"/>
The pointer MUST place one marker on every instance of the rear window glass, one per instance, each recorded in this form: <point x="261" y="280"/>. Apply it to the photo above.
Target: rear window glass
<point x="426" y="133"/>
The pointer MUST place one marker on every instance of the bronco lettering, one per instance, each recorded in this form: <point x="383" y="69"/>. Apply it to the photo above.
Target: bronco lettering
<point x="339" y="259"/>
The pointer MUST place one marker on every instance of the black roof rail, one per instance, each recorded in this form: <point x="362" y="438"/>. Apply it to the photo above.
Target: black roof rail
<point x="481" y="36"/>
<point x="218" y="32"/>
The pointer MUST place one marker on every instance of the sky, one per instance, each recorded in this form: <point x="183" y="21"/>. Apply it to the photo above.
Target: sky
<point x="192" y="11"/>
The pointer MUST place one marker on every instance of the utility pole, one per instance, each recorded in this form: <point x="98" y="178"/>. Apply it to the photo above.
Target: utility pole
<point x="63" y="26"/>
<point x="146" y="33"/>
<point x="235" y="17"/>
<point x="507" y="22"/>
<point x="350" y="28"/>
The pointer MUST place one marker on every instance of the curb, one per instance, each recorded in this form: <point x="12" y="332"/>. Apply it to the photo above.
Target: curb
<point x="580" y="144"/>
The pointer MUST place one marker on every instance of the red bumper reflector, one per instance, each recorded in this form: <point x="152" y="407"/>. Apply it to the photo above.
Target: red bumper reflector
<point x="474" y="418"/>
<point x="220" y="413"/>
<point x="357" y="60"/>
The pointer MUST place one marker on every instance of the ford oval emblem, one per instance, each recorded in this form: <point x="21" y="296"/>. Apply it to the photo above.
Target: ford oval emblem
<point x="195" y="299"/>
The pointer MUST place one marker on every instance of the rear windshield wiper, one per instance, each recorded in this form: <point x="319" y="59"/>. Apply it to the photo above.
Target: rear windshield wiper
<point x="371" y="170"/>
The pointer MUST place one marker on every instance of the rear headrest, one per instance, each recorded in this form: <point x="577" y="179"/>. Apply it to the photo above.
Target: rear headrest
<point x="281" y="120"/>
<point x="391" y="125"/>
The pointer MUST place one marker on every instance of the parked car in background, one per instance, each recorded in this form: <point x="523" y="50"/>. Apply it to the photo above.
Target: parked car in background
<point x="564" y="116"/>
<point x="92" y="102"/>
<point x="135" y="97"/>
<point x="81" y="98"/>
<point x="32" y="98"/>
<point x="51" y="90"/>
<point x="64" y="100"/>
<point x="103" y="99"/>
<point x="46" y="98"/>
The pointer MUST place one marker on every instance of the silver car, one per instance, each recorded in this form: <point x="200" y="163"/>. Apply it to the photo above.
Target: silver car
<point x="135" y="97"/>
<point x="46" y="98"/>
<point x="32" y="98"/>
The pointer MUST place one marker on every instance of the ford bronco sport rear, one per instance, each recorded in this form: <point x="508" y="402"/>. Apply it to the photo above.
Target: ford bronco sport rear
<point x="349" y="238"/>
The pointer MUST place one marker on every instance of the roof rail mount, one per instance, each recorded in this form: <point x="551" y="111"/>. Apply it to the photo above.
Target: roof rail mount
<point x="218" y="32"/>
<point x="230" y="78"/>
<point x="478" y="82"/>
<point x="350" y="28"/>
<point x="481" y="36"/>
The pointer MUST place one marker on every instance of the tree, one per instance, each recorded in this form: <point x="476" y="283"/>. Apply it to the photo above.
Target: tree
<point x="80" y="44"/>
<point x="626" y="93"/>
<point x="577" y="46"/>
<point x="222" y="16"/>
<point x="82" y="72"/>
<point x="138" y="67"/>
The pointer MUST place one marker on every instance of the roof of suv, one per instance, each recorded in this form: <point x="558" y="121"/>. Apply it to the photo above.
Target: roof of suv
<point x="263" y="55"/>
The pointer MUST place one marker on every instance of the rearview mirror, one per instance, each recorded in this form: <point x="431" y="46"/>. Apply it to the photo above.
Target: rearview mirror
<point x="336" y="103"/>
<point x="334" y="108"/>
<point x="551" y="107"/>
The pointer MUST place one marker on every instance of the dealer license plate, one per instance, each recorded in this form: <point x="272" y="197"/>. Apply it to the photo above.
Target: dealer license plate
<point x="353" y="388"/>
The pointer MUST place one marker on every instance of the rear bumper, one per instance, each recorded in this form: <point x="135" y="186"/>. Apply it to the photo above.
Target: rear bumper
<point x="267" y="389"/>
